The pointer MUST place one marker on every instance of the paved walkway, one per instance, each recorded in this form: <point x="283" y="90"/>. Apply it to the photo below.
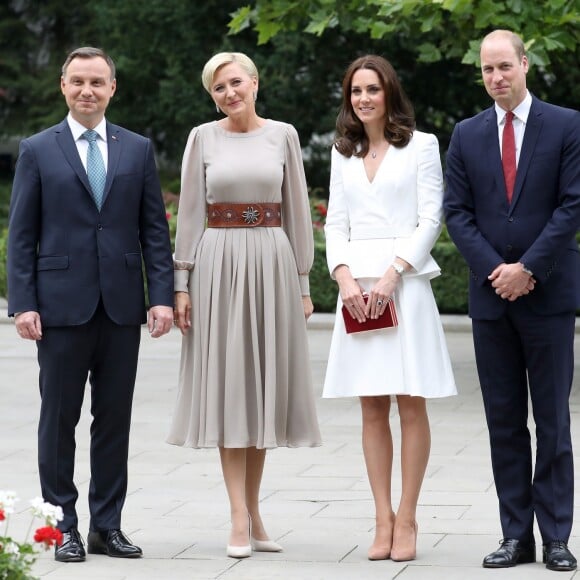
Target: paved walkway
<point x="316" y="502"/>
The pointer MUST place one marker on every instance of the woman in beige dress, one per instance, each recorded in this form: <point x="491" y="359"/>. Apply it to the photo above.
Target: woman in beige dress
<point x="243" y="252"/>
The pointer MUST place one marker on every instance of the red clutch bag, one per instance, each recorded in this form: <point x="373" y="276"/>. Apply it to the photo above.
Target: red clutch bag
<point x="386" y="320"/>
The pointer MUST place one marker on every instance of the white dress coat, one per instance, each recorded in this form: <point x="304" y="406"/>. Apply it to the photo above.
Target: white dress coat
<point x="368" y="224"/>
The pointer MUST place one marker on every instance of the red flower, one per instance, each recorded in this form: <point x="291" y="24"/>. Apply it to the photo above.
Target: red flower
<point x="321" y="208"/>
<point x="167" y="215"/>
<point x="48" y="536"/>
<point x="2" y="515"/>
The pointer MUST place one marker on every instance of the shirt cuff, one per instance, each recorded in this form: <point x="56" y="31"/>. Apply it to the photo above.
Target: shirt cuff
<point x="181" y="280"/>
<point x="304" y="284"/>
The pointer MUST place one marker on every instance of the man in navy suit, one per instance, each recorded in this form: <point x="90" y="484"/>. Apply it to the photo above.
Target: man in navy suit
<point x="524" y="289"/>
<point x="75" y="286"/>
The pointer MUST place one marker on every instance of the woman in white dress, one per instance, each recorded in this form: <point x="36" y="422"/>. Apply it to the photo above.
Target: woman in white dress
<point x="384" y="216"/>
<point x="243" y="251"/>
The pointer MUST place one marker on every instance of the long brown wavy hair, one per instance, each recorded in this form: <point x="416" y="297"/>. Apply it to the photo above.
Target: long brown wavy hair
<point x="351" y="138"/>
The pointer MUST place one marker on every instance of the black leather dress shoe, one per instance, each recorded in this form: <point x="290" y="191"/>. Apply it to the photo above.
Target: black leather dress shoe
<point x="556" y="556"/>
<point x="71" y="549"/>
<point x="112" y="543"/>
<point x="510" y="553"/>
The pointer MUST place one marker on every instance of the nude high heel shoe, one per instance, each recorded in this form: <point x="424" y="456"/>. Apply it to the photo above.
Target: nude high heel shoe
<point x="241" y="551"/>
<point x="405" y="545"/>
<point x="381" y="548"/>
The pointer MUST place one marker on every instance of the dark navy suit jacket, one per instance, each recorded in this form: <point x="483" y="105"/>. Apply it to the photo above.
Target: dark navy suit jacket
<point x="64" y="255"/>
<point x="538" y="228"/>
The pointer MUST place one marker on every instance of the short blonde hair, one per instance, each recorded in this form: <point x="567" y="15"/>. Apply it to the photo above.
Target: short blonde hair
<point x="221" y="59"/>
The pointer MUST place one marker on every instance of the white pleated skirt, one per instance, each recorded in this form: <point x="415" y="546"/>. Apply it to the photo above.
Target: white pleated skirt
<point x="410" y="359"/>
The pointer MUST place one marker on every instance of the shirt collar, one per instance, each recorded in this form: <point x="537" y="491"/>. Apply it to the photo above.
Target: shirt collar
<point x="521" y="112"/>
<point x="77" y="129"/>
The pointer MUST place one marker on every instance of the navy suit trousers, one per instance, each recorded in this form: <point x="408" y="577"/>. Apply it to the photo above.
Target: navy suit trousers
<point x="106" y="354"/>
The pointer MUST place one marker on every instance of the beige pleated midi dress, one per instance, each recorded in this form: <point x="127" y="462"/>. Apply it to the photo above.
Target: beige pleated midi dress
<point x="244" y="377"/>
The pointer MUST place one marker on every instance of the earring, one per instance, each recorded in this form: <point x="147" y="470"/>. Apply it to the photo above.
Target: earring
<point x="255" y="96"/>
<point x="217" y="109"/>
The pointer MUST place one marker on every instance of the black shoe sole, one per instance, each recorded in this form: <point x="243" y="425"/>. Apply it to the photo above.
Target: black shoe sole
<point x="499" y="565"/>
<point x="105" y="553"/>
<point x="511" y="565"/>
<point x="70" y="559"/>
<point x="561" y="568"/>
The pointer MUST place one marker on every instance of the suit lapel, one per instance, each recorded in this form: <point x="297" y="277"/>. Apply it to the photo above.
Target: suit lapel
<point x="114" y="154"/>
<point x="531" y="134"/>
<point x="491" y="143"/>
<point x="68" y="146"/>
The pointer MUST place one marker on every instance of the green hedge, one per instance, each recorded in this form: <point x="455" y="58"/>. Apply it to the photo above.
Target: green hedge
<point x="323" y="289"/>
<point x="3" y="257"/>
<point x="450" y="288"/>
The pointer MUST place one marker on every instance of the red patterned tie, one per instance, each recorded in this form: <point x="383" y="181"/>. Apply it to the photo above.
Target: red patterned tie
<point x="508" y="155"/>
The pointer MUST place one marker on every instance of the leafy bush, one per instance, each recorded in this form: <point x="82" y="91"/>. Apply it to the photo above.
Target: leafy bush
<point x="323" y="290"/>
<point x="17" y="558"/>
<point x="171" y="215"/>
<point x="3" y="248"/>
<point x="450" y="288"/>
<point x="5" y="189"/>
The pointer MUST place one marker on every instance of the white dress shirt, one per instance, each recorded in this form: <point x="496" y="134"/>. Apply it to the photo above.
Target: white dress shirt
<point x="82" y="144"/>
<point x="521" y="113"/>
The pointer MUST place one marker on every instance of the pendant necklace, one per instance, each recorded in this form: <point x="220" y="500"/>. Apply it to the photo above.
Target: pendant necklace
<point x="374" y="153"/>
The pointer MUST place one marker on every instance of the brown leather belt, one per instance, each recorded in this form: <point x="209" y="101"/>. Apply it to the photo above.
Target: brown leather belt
<point x="243" y="215"/>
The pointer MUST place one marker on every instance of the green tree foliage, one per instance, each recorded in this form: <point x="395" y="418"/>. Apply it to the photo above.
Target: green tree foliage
<point x="160" y="47"/>
<point x="35" y="36"/>
<point x="433" y="45"/>
<point x="160" y="52"/>
<point x="442" y="29"/>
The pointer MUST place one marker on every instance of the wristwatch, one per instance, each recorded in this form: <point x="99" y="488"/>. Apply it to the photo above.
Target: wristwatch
<point x="527" y="270"/>
<point x="398" y="268"/>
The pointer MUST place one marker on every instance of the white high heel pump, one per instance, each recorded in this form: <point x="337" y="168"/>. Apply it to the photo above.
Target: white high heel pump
<point x="241" y="551"/>
<point x="266" y="546"/>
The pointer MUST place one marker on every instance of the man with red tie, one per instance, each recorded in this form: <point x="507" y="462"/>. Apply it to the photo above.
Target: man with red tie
<point x="512" y="206"/>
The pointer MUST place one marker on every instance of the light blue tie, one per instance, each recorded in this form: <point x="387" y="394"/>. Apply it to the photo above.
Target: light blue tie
<point x="95" y="167"/>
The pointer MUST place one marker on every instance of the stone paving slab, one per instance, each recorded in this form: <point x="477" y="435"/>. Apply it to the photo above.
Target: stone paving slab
<point x="316" y="502"/>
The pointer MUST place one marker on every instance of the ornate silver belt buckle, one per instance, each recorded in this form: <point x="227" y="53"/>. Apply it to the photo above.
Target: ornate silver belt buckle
<point x="251" y="215"/>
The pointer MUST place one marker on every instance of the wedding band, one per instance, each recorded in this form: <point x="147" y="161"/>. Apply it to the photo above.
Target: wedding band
<point x="379" y="302"/>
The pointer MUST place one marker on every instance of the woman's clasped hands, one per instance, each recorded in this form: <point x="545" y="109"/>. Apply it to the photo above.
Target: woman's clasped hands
<point x="353" y="296"/>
